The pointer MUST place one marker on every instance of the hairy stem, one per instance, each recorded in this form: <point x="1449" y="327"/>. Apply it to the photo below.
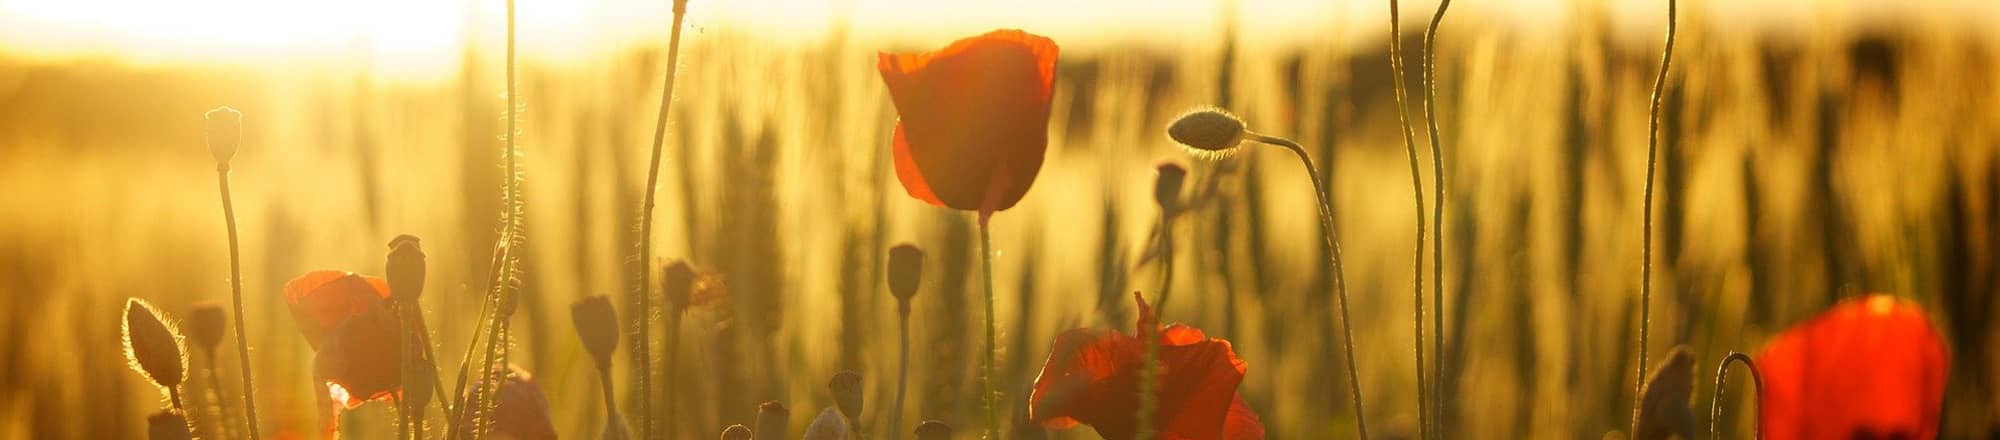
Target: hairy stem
<point x="988" y="393"/>
<point x="236" y="299"/>
<point x="1330" y="237"/>
<point x="1417" y="184"/>
<point x="1646" y="217"/>
<point x="642" y="298"/>
<point x="1437" y="219"/>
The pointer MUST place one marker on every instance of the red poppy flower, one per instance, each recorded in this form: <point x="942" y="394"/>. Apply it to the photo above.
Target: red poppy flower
<point x="1092" y="378"/>
<point x="1870" y="367"/>
<point x="321" y="299"/>
<point x="974" y="118"/>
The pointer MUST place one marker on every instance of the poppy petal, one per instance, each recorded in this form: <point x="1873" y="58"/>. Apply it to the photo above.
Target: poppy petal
<point x="1867" y="366"/>
<point x="320" y="300"/>
<point x="1243" y="423"/>
<point x="974" y="117"/>
<point x="908" y="173"/>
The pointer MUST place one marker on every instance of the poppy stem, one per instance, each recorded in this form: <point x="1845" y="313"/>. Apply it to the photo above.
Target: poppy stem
<point x="1331" y="239"/>
<point x="641" y="298"/>
<point x="670" y="366"/>
<point x="215" y="393"/>
<point x="988" y="393"/>
<point x="610" y="401"/>
<point x="1417" y="184"/>
<point x="1722" y="377"/>
<point x="236" y="299"/>
<point x="404" y="368"/>
<point x="1437" y="219"/>
<point x="1148" y="331"/>
<point x="1646" y="218"/>
<point x="902" y="368"/>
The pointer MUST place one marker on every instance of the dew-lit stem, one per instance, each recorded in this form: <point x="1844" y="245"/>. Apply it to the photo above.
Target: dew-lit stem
<point x="988" y="393"/>
<point x="902" y="368"/>
<point x="1715" y="402"/>
<point x="1437" y="220"/>
<point x="1646" y="217"/>
<point x="1417" y="184"/>
<point x="236" y="299"/>
<point x="1331" y="239"/>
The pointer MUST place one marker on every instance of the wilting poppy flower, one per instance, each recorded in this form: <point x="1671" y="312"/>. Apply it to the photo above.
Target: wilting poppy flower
<point x="974" y="118"/>
<point x="1870" y="367"/>
<point x="1092" y="378"/>
<point x="321" y="299"/>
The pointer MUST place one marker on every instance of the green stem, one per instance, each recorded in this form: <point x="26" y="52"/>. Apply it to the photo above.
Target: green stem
<point x="1646" y="243"/>
<point x="1149" y="333"/>
<point x="988" y="393"/>
<point x="642" y="299"/>
<point x="1437" y="219"/>
<point x="1417" y="184"/>
<point x="236" y="299"/>
<point x="1330" y="237"/>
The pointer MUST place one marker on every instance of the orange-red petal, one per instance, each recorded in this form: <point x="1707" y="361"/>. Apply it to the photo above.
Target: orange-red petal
<point x="973" y="118"/>
<point x="362" y="356"/>
<point x="321" y="299"/>
<point x="1868" y="367"/>
<point x="1092" y="377"/>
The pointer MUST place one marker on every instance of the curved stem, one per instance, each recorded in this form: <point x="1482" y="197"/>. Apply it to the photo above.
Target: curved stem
<point x="1331" y="239"/>
<point x="1437" y="221"/>
<point x="1646" y="243"/>
<point x="1416" y="183"/>
<point x="902" y="370"/>
<point x="1715" y="402"/>
<point x="236" y="299"/>
<point x="988" y="393"/>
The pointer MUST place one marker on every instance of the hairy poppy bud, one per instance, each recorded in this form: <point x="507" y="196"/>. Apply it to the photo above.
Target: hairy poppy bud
<point x="1210" y="130"/>
<point x="676" y="283"/>
<point x="846" y="387"/>
<point x="1167" y="186"/>
<point x="225" y="131"/>
<point x="933" y="430"/>
<point x="906" y="270"/>
<point x="168" y="424"/>
<point x="773" y="420"/>
<point x="206" y="323"/>
<point x="1663" y="403"/>
<point x="829" y="425"/>
<point x="736" y="432"/>
<point x="597" y="324"/>
<point x="153" y="345"/>
<point x="405" y="268"/>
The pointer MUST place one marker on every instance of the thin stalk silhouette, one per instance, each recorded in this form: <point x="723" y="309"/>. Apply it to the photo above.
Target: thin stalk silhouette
<point x="236" y="299"/>
<point x="1437" y="219"/>
<point x="1417" y="184"/>
<point x="641" y="351"/>
<point x="1715" y="400"/>
<point x="1646" y="243"/>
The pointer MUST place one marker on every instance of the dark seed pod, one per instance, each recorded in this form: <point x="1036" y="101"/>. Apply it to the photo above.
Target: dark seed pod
<point x="773" y="420"/>
<point x="906" y="269"/>
<point x="206" y="324"/>
<point x="153" y="345"/>
<point x="1663" y="404"/>
<point x="168" y="424"/>
<point x="225" y="131"/>
<point x="597" y="324"/>
<point x="1167" y="186"/>
<point x="1209" y="131"/>
<point x="933" y="430"/>
<point x="677" y="283"/>
<point x="846" y="387"/>
<point x="736" y="432"/>
<point x="405" y="268"/>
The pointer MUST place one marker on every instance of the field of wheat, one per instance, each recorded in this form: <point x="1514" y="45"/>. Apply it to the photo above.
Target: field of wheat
<point x="1795" y="169"/>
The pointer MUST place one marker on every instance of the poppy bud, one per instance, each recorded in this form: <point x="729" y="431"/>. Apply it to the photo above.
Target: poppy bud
<point x="168" y="424"/>
<point x="206" y="323"/>
<point x="772" y="420"/>
<point x="906" y="269"/>
<point x="1210" y="130"/>
<point x="829" y="425"/>
<point x="1167" y="186"/>
<point x="676" y="282"/>
<point x="736" y="432"/>
<point x="1663" y="402"/>
<point x="153" y="345"/>
<point x="846" y="386"/>
<point x="933" y="430"/>
<point x="405" y="268"/>
<point x="225" y="130"/>
<point x="597" y="324"/>
<point x="417" y="384"/>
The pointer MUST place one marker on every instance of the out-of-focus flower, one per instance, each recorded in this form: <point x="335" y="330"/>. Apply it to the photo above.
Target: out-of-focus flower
<point x="846" y="388"/>
<point x="1092" y="378"/>
<point x="360" y="359"/>
<point x="206" y="323"/>
<point x="321" y="299"/>
<point x="523" y="410"/>
<point x="1869" y="367"/>
<point x="772" y="420"/>
<point x="974" y="118"/>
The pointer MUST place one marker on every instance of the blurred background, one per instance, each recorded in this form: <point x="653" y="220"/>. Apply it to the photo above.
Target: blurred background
<point x="1813" y="151"/>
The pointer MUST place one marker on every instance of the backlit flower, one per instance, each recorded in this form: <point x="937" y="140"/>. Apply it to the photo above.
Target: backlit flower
<point x="1869" y="367"/>
<point x="321" y="299"/>
<point x="974" y="118"/>
<point x="1092" y="378"/>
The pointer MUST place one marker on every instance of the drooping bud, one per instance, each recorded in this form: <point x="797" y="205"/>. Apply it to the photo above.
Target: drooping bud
<point x="153" y="345"/>
<point x="225" y="131"/>
<point x="206" y="323"/>
<point x="405" y="268"/>
<point x="736" y="432"/>
<point x="773" y="420"/>
<point x="168" y="424"/>
<point x="829" y="425"/>
<point x="846" y="387"/>
<point x="597" y="324"/>
<point x="906" y="270"/>
<point x="1169" y="177"/>
<point x="1663" y="403"/>
<point x="677" y="284"/>
<point x="1210" y="131"/>
<point x="933" y="430"/>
